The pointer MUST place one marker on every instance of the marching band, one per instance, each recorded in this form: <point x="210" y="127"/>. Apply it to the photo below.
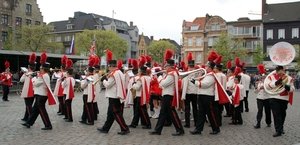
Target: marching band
<point x="204" y="91"/>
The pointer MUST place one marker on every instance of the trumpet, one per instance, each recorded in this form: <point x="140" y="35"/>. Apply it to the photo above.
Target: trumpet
<point x="195" y="74"/>
<point x="33" y="74"/>
<point x="99" y="79"/>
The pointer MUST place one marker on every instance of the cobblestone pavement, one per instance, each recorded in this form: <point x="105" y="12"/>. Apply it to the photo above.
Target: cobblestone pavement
<point x="12" y="132"/>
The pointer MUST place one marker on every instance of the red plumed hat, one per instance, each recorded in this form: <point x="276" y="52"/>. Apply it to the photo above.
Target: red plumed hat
<point x="190" y="56"/>
<point x="203" y="66"/>
<point x="148" y="61"/>
<point x="130" y="63"/>
<point x="155" y="64"/>
<point x="182" y="64"/>
<point x="63" y="60"/>
<point x="120" y="63"/>
<point x="142" y="61"/>
<point x="237" y="71"/>
<point x="168" y="55"/>
<point x="69" y="64"/>
<point x="96" y="61"/>
<point x="91" y="61"/>
<point x="218" y="60"/>
<point x="109" y="55"/>
<point x="191" y="62"/>
<point x="212" y="56"/>
<point x="7" y="65"/>
<point x="32" y="58"/>
<point x="261" y="69"/>
<point x="43" y="58"/>
<point x="229" y="64"/>
<point x="237" y="62"/>
<point x="134" y="64"/>
<point x="243" y="64"/>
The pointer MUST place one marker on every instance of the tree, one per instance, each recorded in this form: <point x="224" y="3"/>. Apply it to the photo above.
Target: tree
<point x="259" y="56"/>
<point x="103" y="40"/>
<point x="157" y="50"/>
<point x="36" y="38"/>
<point x="8" y="43"/>
<point x="230" y="47"/>
<point x="297" y="56"/>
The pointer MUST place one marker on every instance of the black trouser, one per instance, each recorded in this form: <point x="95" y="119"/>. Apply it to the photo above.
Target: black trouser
<point x="278" y="108"/>
<point x="61" y="104"/>
<point x="205" y="105"/>
<point x="168" y="110"/>
<point x="39" y="109"/>
<point x="5" y="92"/>
<point x="261" y="104"/>
<point x="245" y="102"/>
<point x="28" y="107"/>
<point x="68" y="109"/>
<point x="140" y="112"/>
<point x="228" y="108"/>
<point x="114" y="112"/>
<point x="218" y="112"/>
<point x="191" y="98"/>
<point x="96" y="110"/>
<point x="236" y="114"/>
<point x="87" y="110"/>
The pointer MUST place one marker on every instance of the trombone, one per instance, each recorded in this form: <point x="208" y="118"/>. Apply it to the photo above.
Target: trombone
<point x="95" y="82"/>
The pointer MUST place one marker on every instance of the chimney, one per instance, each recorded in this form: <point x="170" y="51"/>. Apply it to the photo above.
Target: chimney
<point x="131" y="23"/>
<point x="151" y="38"/>
<point x="263" y="3"/>
<point x="207" y="16"/>
<point x="243" y="19"/>
<point x="70" y="19"/>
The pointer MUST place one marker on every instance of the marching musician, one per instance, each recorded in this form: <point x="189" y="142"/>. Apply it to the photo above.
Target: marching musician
<point x="237" y="97"/>
<point x="27" y="91"/>
<point x="149" y="105"/>
<point x="42" y="93"/>
<point x="263" y="100"/>
<point x="58" y="90"/>
<point x="87" y="116"/>
<point x="6" y="78"/>
<point x="127" y="73"/>
<point x="130" y="96"/>
<point x="155" y="92"/>
<point x="170" y="99"/>
<point x="97" y="86"/>
<point x="68" y="86"/>
<point x="142" y="88"/>
<point x="206" y="97"/>
<point x="229" y="84"/>
<point x="279" y="101"/>
<point x="115" y="92"/>
<point x="189" y="94"/>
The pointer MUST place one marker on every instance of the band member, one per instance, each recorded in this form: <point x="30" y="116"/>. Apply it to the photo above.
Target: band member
<point x="42" y="93"/>
<point x="229" y="84"/>
<point x="58" y="90"/>
<point x="142" y="87"/>
<point x="128" y="73"/>
<point x="88" y="95"/>
<point x="27" y="91"/>
<point x="6" y="78"/>
<point x="279" y="102"/>
<point x="189" y="94"/>
<point x="68" y="86"/>
<point x="237" y="93"/>
<point x="206" y="97"/>
<point x="170" y="99"/>
<point x="155" y="92"/>
<point x="97" y="86"/>
<point x="115" y="92"/>
<point x="245" y="81"/>
<point x="131" y="93"/>
<point x="149" y="104"/>
<point x="263" y="101"/>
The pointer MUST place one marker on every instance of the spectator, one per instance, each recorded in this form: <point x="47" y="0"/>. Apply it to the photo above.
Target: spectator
<point x="16" y="76"/>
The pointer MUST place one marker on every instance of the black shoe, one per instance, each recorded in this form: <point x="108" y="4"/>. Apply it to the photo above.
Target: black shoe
<point x="257" y="126"/>
<point x="215" y="132"/>
<point x="83" y="122"/>
<point x="277" y="134"/>
<point x="154" y="132"/>
<point x="178" y="133"/>
<point x="47" y="128"/>
<point x="146" y="127"/>
<point x="124" y="132"/>
<point x="132" y="126"/>
<point x="24" y="119"/>
<point x="247" y="110"/>
<point x="69" y="120"/>
<point x="5" y="100"/>
<point x="186" y="126"/>
<point x="25" y="124"/>
<point x="282" y="132"/>
<point x="101" y="130"/>
<point x="195" y="132"/>
<point x="89" y="123"/>
<point x="167" y="124"/>
<point x="239" y="123"/>
<point x="60" y="113"/>
<point x="227" y="115"/>
<point x="269" y="125"/>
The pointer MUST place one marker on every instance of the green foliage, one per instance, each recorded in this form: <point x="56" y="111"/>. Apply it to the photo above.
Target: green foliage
<point x="259" y="56"/>
<point x="36" y="38"/>
<point x="157" y="50"/>
<point x="230" y="47"/>
<point x="8" y="43"/>
<point x="103" y="40"/>
<point x="297" y="57"/>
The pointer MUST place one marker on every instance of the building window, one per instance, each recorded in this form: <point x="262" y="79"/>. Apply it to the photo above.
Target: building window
<point x="37" y="23"/>
<point x="67" y="38"/>
<point x="4" y="19"/>
<point x="249" y="59"/>
<point x="4" y="36"/>
<point x="67" y="50"/>
<point x="281" y="34"/>
<point x="210" y="41"/>
<point x="18" y="21"/>
<point x="295" y="32"/>
<point x="256" y="31"/>
<point x="270" y="34"/>
<point x="268" y="50"/>
<point x="28" y="22"/>
<point x="198" y="41"/>
<point x="136" y="34"/>
<point x="213" y="27"/>
<point x="69" y="26"/>
<point x="190" y="41"/>
<point x="28" y="9"/>
<point x="198" y="57"/>
<point x="193" y="28"/>
<point x="218" y="27"/>
<point x="113" y="28"/>
<point x="58" y="39"/>
<point x="243" y="30"/>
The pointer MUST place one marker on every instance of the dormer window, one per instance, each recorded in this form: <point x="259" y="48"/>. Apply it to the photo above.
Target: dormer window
<point x="97" y="27"/>
<point x="193" y="28"/>
<point x="70" y="26"/>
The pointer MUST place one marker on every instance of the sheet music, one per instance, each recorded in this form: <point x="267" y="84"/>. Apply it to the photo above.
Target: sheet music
<point x="24" y="69"/>
<point x="56" y="75"/>
<point x="130" y="74"/>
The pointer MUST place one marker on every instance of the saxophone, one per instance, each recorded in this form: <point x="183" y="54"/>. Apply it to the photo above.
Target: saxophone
<point x="133" y="91"/>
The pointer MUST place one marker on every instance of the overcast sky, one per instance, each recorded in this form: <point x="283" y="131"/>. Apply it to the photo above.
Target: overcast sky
<point x="158" y="18"/>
